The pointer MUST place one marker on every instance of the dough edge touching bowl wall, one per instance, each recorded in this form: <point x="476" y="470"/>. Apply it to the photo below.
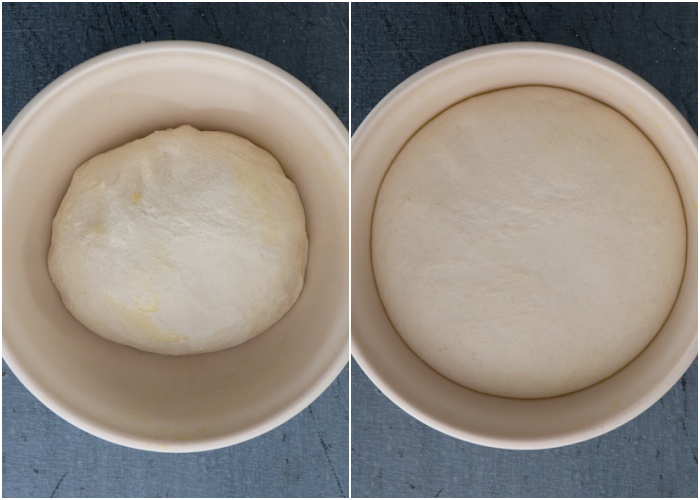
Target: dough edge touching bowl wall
<point x="412" y="384"/>
<point x="451" y="357"/>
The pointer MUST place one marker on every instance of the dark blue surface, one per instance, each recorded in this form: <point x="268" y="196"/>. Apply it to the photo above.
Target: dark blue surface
<point x="44" y="456"/>
<point x="394" y="455"/>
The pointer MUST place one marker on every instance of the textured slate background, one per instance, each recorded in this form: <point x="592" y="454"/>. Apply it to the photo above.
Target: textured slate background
<point x="44" y="456"/>
<point x="393" y="455"/>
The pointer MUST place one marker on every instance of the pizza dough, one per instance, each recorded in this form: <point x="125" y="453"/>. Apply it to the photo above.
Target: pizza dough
<point x="528" y="242"/>
<point x="179" y="243"/>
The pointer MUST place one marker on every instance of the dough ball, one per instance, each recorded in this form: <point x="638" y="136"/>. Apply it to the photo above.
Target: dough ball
<point x="528" y="242"/>
<point x="180" y="243"/>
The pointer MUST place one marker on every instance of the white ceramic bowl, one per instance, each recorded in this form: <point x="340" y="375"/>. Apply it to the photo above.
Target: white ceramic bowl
<point x="413" y="385"/>
<point x="145" y="400"/>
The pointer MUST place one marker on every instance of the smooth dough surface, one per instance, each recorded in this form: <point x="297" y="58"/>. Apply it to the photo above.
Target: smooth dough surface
<point x="528" y="242"/>
<point x="179" y="243"/>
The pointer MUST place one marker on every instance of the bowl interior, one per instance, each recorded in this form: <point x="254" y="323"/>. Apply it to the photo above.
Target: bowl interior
<point x="141" y="399"/>
<point x="405" y="378"/>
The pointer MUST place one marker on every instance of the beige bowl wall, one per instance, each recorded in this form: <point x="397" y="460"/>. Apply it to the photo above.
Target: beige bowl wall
<point x="146" y="400"/>
<point x="413" y="385"/>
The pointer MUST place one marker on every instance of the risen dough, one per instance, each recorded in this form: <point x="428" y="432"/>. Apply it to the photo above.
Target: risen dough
<point x="183" y="242"/>
<point x="528" y="242"/>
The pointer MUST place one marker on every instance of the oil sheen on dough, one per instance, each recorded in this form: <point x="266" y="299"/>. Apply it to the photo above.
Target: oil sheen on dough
<point x="180" y="243"/>
<point x="528" y="242"/>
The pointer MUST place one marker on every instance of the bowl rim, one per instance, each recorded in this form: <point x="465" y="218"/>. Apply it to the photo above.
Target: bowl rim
<point x="360" y="324"/>
<point x="148" y="50"/>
